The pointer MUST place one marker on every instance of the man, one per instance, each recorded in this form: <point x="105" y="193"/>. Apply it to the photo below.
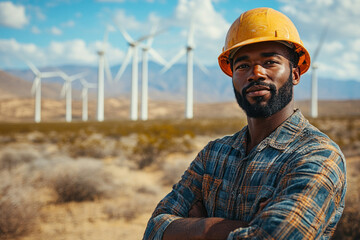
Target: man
<point x="279" y="177"/>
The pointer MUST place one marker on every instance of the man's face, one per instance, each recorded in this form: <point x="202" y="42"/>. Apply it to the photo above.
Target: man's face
<point x="263" y="78"/>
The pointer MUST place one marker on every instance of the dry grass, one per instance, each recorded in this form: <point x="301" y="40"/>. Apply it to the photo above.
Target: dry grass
<point x="18" y="210"/>
<point x="108" y="195"/>
<point x="16" y="155"/>
<point x="80" y="180"/>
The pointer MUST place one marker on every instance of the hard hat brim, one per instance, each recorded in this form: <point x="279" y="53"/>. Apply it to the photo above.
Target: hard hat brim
<point x="304" y="56"/>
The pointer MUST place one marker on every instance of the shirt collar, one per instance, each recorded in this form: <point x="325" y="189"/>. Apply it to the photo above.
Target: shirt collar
<point x="280" y="138"/>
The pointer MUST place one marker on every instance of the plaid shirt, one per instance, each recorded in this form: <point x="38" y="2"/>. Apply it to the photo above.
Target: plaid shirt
<point x="297" y="168"/>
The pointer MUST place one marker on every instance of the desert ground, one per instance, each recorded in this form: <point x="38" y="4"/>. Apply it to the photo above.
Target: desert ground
<point x="103" y="180"/>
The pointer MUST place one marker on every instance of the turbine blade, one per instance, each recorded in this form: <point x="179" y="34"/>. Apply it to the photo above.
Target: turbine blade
<point x="92" y="85"/>
<point x="201" y="66"/>
<point x="63" y="75"/>
<point x="151" y="39"/>
<point x="321" y="42"/>
<point x="126" y="35"/>
<point x="109" y="78"/>
<point x="83" y="82"/>
<point x="174" y="60"/>
<point x="33" y="68"/>
<point x="77" y="76"/>
<point x="190" y="40"/>
<point x="124" y="64"/>
<point x="109" y="28"/>
<point x="49" y="74"/>
<point x="150" y="35"/>
<point x="157" y="56"/>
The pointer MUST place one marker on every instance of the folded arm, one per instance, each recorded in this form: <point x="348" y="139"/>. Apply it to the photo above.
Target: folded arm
<point x="307" y="203"/>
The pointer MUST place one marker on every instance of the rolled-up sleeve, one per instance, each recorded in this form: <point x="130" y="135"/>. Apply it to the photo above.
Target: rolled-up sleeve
<point x="178" y="202"/>
<point x="307" y="203"/>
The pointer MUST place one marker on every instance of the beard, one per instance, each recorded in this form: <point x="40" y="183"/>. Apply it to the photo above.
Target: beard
<point x="278" y="100"/>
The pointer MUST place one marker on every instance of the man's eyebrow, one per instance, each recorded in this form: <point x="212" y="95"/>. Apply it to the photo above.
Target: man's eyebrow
<point x="241" y="58"/>
<point x="269" y="54"/>
<point x="265" y="54"/>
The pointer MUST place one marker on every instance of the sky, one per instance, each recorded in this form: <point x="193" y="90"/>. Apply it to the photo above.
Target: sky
<point x="64" y="32"/>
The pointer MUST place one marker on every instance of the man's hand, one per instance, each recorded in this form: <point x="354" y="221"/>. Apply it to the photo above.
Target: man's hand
<point x="200" y="226"/>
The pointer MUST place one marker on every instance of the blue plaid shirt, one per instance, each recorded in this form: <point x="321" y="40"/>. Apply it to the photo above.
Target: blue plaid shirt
<point x="297" y="168"/>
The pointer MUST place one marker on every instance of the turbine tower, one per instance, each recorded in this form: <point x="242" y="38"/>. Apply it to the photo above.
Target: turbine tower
<point x="84" y="95"/>
<point x="146" y="49"/>
<point x="36" y="88"/>
<point x="67" y="92"/>
<point x="103" y="68"/>
<point x="132" y="53"/>
<point x="314" y="79"/>
<point x="189" y="51"/>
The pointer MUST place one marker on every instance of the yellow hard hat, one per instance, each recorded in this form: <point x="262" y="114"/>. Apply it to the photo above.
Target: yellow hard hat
<point x="261" y="25"/>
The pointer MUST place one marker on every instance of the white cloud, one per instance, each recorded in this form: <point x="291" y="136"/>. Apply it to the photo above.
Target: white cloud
<point x="337" y="57"/>
<point x="38" y="13"/>
<point x="125" y="21"/>
<point x="114" y="1"/>
<point x="35" y="30"/>
<point x="13" y="53"/>
<point x="332" y="47"/>
<point x="75" y="51"/>
<point x="55" y="31"/>
<point x="210" y="27"/>
<point x="69" y="23"/>
<point x="356" y="45"/>
<point x="12" y="16"/>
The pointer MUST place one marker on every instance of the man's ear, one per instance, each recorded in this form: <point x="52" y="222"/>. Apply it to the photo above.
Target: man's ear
<point x="295" y="75"/>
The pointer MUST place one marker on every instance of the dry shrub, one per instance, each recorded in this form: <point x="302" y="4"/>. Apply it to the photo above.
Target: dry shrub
<point x="148" y="189"/>
<point x="159" y="140"/>
<point x="18" y="212"/>
<point x="88" y="144"/>
<point x="128" y="210"/>
<point x="80" y="180"/>
<point x="11" y="157"/>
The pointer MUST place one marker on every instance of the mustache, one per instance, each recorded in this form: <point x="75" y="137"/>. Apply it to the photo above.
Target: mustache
<point x="272" y="87"/>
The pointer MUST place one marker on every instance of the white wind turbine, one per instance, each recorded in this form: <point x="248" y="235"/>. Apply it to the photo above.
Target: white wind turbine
<point x="314" y="80"/>
<point x="132" y="53"/>
<point x="188" y="50"/>
<point x="144" y="73"/>
<point x="84" y="95"/>
<point x="67" y="92"/>
<point x="103" y="68"/>
<point x="36" y="88"/>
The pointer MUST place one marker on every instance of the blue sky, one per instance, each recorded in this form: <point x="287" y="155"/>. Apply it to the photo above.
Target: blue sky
<point x="60" y="32"/>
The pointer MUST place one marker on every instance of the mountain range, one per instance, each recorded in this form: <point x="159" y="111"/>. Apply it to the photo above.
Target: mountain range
<point x="211" y="87"/>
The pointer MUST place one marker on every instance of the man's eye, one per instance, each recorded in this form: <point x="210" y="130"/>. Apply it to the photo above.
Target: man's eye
<point x="242" y="66"/>
<point x="270" y="62"/>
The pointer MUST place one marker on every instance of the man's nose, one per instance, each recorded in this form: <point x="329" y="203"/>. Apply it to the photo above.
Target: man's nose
<point x="257" y="74"/>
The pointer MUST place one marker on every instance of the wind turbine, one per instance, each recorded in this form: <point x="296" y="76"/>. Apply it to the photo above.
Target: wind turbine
<point x="67" y="92"/>
<point x="314" y="80"/>
<point x="84" y="95"/>
<point x="132" y="53"/>
<point x="144" y="73"/>
<point x="103" y="68"/>
<point x="36" y="88"/>
<point x="189" y="51"/>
